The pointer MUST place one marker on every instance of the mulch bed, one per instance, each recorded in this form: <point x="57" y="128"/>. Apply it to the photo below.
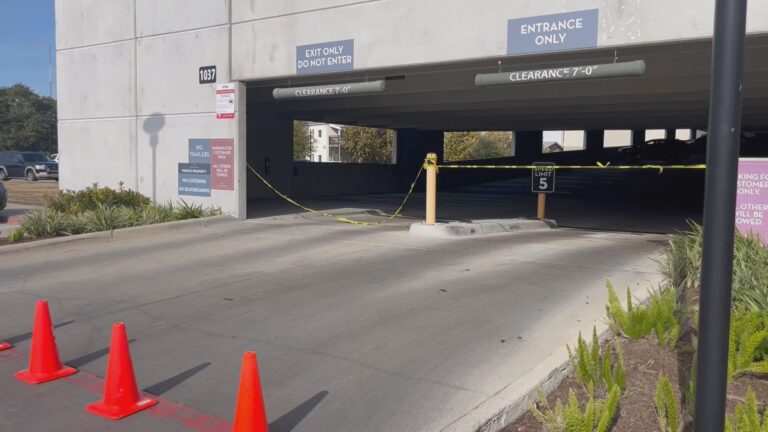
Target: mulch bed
<point x="643" y="361"/>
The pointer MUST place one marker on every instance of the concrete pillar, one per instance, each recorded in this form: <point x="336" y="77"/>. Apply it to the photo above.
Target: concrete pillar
<point x="411" y="147"/>
<point x="594" y="141"/>
<point x="270" y="152"/>
<point x="638" y="137"/>
<point x="528" y="145"/>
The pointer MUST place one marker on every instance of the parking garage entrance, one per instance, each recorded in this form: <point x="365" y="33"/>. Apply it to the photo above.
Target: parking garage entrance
<point x="655" y="117"/>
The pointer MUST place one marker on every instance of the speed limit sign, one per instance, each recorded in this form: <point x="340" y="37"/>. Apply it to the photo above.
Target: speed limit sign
<point x="543" y="177"/>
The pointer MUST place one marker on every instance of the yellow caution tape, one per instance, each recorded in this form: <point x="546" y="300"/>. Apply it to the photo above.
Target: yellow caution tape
<point x="599" y="166"/>
<point x="335" y="217"/>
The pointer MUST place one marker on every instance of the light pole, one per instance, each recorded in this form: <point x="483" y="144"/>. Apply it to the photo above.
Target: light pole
<point x="719" y="213"/>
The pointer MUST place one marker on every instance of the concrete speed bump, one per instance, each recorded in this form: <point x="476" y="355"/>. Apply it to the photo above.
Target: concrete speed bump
<point x="480" y="227"/>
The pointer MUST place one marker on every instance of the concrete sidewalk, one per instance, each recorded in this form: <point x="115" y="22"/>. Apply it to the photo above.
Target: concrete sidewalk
<point x="357" y="329"/>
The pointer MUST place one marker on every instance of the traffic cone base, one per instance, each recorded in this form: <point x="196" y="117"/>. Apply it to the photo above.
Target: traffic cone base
<point x="38" y="378"/>
<point x="5" y="346"/>
<point x="116" y="413"/>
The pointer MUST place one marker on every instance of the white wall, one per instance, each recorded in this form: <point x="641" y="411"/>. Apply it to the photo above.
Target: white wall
<point x="406" y="32"/>
<point x="99" y="151"/>
<point x="129" y="97"/>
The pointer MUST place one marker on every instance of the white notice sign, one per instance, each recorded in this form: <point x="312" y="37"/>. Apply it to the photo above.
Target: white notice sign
<point x="225" y="101"/>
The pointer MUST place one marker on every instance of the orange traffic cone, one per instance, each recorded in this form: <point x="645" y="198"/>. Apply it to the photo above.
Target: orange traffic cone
<point x="44" y="363"/>
<point x="121" y="394"/>
<point x="5" y="345"/>
<point x="250" y="415"/>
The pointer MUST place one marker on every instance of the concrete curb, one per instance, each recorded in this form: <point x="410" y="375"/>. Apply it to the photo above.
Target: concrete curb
<point x="515" y="398"/>
<point x="479" y="227"/>
<point x="120" y="233"/>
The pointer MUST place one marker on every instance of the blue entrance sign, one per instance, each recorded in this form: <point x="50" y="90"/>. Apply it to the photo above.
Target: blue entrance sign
<point x="195" y="179"/>
<point x="199" y="151"/>
<point x="326" y="57"/>
<point x="557" y="32"/>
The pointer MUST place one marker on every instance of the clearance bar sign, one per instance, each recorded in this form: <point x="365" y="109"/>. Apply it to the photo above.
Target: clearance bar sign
<point x="566" y="73"/>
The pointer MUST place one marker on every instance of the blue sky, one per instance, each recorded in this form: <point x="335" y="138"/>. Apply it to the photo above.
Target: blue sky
<point x="27" y="29"/>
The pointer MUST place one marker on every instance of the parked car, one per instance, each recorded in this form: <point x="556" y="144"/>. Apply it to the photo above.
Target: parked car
<point x="29" y="165"/>
<point x="55" y="157"/>
<point x="752" y="144"/>
<point x="663" y="150"/>
<point x="3" y="196"/>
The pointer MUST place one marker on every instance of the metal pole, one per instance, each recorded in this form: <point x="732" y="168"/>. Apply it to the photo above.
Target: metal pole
<point x="719" y="213"/>
<point x="542" y="206"/>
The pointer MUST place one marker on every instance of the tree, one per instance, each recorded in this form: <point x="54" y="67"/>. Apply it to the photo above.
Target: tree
<point x="302" y="141"/>
<point x="477" y="145"/>
<point x="366" y="145"/>
<point x="27" y="120"/>
<point x="457" y="146"/>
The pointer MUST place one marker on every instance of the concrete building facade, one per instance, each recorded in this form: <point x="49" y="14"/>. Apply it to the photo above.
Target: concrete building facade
<point x="140" y="103"/>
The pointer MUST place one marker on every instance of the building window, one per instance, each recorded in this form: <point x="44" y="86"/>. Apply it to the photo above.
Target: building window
<point x="319" y="133"/>
<point x="319" y="158"/>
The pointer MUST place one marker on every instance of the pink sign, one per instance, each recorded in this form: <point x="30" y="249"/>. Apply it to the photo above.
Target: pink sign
<point x="752" y="197"/>
<point x="223" y="164"/>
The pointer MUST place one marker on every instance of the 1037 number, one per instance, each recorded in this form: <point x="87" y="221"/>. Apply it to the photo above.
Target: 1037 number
<point x="207" y="74"/>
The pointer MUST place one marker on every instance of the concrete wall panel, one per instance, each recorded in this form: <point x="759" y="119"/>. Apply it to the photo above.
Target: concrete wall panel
<point x="165" y="16"/>
<point x="402" y="32"/>
<point x="168" y="71"/>
<point x="163" y="143"/>
<point x="89" y="22"/>
<point x="244" y="10"/>
<point x="97" y="151"/>
<point x="97" y="82"/>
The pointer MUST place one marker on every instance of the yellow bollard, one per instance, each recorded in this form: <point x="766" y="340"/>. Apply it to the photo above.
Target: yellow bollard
<point x="541" y="210"/>
<point x="430" y="164"/>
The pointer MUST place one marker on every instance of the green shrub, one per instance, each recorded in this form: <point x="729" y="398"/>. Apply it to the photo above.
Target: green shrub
<point x="592" y="365"/>
<point x="666" y="406"/>
<point x="750" y="273"/>
<point x="747" y="417"/>
<point x="106" y="218"/>
<point x="681" y="266"/>
<point x="681" y="261"/>
<point x="156" y="213"/>
<point x="189" y="211"/>
<point x="16" y="235"/>
<point x="92" y="198"/>
<point x="638" y="321"/>
<point x="78" y="224"/>
<point x="45" y="223"/>
<point x="748" y="344"/>
<point x="597" y="416"/>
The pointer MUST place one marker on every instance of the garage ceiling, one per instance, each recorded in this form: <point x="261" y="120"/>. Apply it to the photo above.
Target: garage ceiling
<point x="672" y="94"/>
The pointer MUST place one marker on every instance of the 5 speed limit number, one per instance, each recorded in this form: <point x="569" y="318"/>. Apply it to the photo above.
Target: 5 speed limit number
<point x="543" y="177"/>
